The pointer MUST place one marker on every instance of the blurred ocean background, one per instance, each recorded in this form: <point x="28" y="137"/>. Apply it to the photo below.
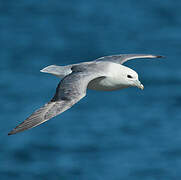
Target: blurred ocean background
<point x="129" y="134"/>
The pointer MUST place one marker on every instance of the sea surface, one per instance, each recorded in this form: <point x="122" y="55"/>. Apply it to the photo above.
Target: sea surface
<point x="119" y="135"/>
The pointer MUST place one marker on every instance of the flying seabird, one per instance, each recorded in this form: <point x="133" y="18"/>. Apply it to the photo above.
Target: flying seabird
<point x="105" y="74"/>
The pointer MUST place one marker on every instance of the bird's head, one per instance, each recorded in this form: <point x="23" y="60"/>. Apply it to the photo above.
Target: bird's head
<point x="131" y="78"/>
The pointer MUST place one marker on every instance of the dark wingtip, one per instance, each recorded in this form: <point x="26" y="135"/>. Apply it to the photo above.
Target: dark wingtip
<point x="10" y="133"/>
<point x="160" y="56"/>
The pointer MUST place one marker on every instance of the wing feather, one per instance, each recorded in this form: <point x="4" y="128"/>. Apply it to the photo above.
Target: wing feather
<point x="70" y="90"/>
<point x="43" y="114"/>
<point x="122" y="58"/>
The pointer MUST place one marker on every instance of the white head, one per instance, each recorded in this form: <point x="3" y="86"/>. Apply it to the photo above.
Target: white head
<point x="130" y="77"/>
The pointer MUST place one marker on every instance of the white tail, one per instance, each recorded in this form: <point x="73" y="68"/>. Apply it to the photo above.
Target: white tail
<point x="59" y="71"/>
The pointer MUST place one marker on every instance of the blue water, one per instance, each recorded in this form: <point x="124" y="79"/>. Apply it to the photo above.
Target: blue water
<point x="129" y="134"/>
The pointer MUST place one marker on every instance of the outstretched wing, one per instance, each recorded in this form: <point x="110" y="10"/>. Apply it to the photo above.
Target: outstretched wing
<point x="41" y="115"/>
<point x="70" y="90"/>
<point x="121" y="58"/>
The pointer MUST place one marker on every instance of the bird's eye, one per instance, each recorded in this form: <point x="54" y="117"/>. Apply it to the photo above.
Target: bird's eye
<point x="129" y="76"/>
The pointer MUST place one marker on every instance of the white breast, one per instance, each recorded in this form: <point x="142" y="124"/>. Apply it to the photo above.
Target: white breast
<point x="113" y="80"/>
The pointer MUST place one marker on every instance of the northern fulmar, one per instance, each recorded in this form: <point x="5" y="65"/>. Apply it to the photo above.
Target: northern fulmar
<point x="104" y="74"/>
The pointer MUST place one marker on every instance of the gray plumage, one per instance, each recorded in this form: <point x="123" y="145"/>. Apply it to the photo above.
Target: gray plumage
<point x="98" y="74"/>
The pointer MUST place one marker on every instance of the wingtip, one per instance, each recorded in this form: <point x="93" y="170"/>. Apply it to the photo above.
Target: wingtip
<point x="11" y="133"/>
<point x="14" y="131"/>
<point x="159" y="56"/>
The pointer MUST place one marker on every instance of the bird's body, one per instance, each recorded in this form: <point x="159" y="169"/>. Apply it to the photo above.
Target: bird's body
<point x="113" y="81"/>
<point x="106" y="74"/>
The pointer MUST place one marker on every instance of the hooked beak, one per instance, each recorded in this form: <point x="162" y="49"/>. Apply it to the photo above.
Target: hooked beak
<point x="139" y="85"/>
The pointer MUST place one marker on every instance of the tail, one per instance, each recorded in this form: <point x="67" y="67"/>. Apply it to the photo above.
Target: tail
<point x="59" y="71"/>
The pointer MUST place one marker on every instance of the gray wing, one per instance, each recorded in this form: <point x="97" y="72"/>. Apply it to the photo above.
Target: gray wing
<point x="70" y="90"/>
<point x="121" y="58"/>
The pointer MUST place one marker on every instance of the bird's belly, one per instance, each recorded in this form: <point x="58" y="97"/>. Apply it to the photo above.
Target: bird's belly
<point x="106" y="84"/>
